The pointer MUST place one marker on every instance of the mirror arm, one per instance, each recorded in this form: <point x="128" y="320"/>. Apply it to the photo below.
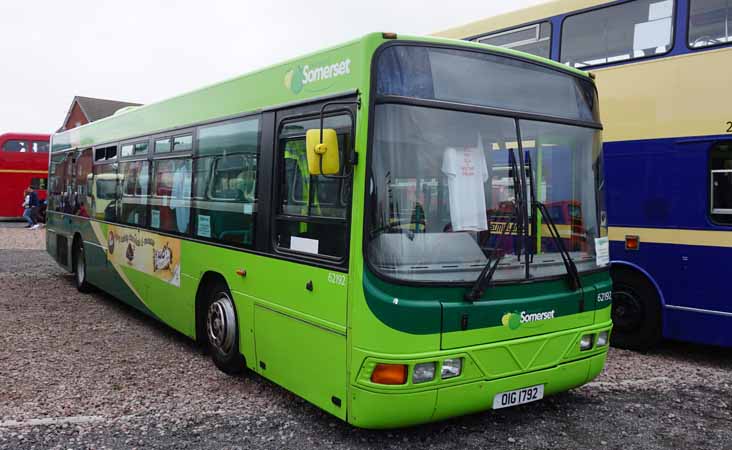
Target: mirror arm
<point x="353" y="158"/>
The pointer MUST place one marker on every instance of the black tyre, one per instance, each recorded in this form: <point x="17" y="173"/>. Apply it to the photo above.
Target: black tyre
<point x="80" y="272"/>
<point x="222" y="329"/>
<point x="636" y="311"/>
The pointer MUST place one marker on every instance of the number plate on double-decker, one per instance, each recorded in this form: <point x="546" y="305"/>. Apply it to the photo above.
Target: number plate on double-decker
<point x="518" y="397"/>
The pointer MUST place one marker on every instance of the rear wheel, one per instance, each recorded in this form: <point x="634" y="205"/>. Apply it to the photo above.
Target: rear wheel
<point x="636" y="311"/>
<point x="80" y="268"/>
<point x="222" y="330"/>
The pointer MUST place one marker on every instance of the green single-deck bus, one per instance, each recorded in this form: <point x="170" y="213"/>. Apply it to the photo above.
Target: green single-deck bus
<point x="376" y="227"/>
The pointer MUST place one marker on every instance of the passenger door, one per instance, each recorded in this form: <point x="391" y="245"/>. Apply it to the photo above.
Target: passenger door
<point x="300" y="320"/>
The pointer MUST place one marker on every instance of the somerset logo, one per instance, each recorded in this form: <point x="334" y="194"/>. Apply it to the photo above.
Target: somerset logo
<point x="298" y="78"/>
<point x="514" y="320"/>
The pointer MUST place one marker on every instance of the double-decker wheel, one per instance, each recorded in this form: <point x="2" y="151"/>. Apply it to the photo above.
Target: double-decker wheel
<point x="636" y="311"/>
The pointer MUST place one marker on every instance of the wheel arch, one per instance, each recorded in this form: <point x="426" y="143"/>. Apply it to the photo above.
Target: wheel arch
<point x="645" y="274"/>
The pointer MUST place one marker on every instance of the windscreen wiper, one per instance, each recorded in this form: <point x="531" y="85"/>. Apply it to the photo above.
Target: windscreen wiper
<point x="476" y="291"/>
<point x="574" y="278"/>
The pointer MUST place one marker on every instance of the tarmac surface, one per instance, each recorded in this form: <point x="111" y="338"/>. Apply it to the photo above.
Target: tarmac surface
<point x="82" y="371"/>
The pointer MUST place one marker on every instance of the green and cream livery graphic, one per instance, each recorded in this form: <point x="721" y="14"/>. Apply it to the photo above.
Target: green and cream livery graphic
<point x="150" y="253"/>
<point x="514" y="320"/>
<point x="306" y="76"/>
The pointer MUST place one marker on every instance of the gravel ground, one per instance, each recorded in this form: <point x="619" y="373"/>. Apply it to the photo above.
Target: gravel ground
<point x="84" y="371"/>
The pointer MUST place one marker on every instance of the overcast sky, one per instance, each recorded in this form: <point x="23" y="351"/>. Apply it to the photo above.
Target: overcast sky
<point x="147" y="50"/>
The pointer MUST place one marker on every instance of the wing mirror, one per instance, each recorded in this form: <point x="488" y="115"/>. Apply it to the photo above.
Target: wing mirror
<point x="322" y="151"/>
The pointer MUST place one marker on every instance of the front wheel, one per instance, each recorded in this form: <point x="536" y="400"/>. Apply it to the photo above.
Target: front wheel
<point x="636" y="311"/>
<point x="80" y="268"/>
<point x="222" y="330"/>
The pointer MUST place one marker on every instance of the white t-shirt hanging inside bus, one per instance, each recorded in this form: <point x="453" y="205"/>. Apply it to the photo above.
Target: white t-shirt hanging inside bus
<point x="466" y="173"/>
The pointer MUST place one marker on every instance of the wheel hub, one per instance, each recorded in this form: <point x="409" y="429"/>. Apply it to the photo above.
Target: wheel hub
<point x="221" y="323"/>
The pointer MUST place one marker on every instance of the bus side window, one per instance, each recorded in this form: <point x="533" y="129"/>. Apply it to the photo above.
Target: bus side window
<point x="313" y="209"/>
<point x="710" y="23"/>
<point x="135" y="180"/>
<point x="225" y="182"/>
<point x="720" y="178"/>
<point x="534" y="39"/>
<point x="40" y="147"/>
<point x="56" y="182"/>
<point x="104" y="192"/>
<point x="82" y="173"/>
<point x="619" y="32"/>
<point x="16" y="146"/>
<point x="171" y="195"/>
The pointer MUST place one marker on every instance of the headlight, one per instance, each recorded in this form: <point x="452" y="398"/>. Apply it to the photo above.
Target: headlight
<point x="586" y="342"/>
<point x="423" y="372"/>
<point x="451" y="367"/>
<point x="602" y="338"/>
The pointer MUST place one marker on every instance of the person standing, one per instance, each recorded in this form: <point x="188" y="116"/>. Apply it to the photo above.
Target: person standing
<point x="30" y="201"/>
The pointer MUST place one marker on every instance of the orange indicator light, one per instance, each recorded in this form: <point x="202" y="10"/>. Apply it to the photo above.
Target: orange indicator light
<point x="632" y="242"/>
<point x="389" y="374"/>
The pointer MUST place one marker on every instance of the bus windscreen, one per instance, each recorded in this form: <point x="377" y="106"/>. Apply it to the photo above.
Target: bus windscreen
<point x="484" y="79"/>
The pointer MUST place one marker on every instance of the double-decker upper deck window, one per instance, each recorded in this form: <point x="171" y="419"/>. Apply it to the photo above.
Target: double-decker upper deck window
<point x="710" y="22"/>
<point x="616" y="33"/>
<point x="15" y="146"/>
<point x="480" y="78"/>
<point x="40" y="147"/>
<point x="534" y="39"/>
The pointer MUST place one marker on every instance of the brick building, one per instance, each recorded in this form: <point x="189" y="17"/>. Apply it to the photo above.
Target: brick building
<point x="87" y="109"/>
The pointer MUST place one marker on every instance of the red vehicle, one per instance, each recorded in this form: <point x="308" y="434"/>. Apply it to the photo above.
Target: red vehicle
<point x="23" y="163"/>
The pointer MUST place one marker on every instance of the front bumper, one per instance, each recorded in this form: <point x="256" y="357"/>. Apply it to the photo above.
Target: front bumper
<point x="394" y="407"/>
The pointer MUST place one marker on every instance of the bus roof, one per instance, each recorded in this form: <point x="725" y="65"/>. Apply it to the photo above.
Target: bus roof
<point x="336" y="70"/>
<point x="518" y="17"/>
<point x="32" y="136"/>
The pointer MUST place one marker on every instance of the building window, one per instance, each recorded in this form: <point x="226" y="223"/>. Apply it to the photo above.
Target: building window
<point x="710" y="22"/>
<point x="534" y="39"/>
<point x="721" y="183"/>
<point x="616" y="33"/>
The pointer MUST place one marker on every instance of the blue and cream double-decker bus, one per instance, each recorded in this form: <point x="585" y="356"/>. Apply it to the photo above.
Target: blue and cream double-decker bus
<point x="664" y="73"/>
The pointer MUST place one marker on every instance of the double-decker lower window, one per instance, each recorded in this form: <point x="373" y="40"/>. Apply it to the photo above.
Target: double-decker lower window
<point x="720" y="177"/>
